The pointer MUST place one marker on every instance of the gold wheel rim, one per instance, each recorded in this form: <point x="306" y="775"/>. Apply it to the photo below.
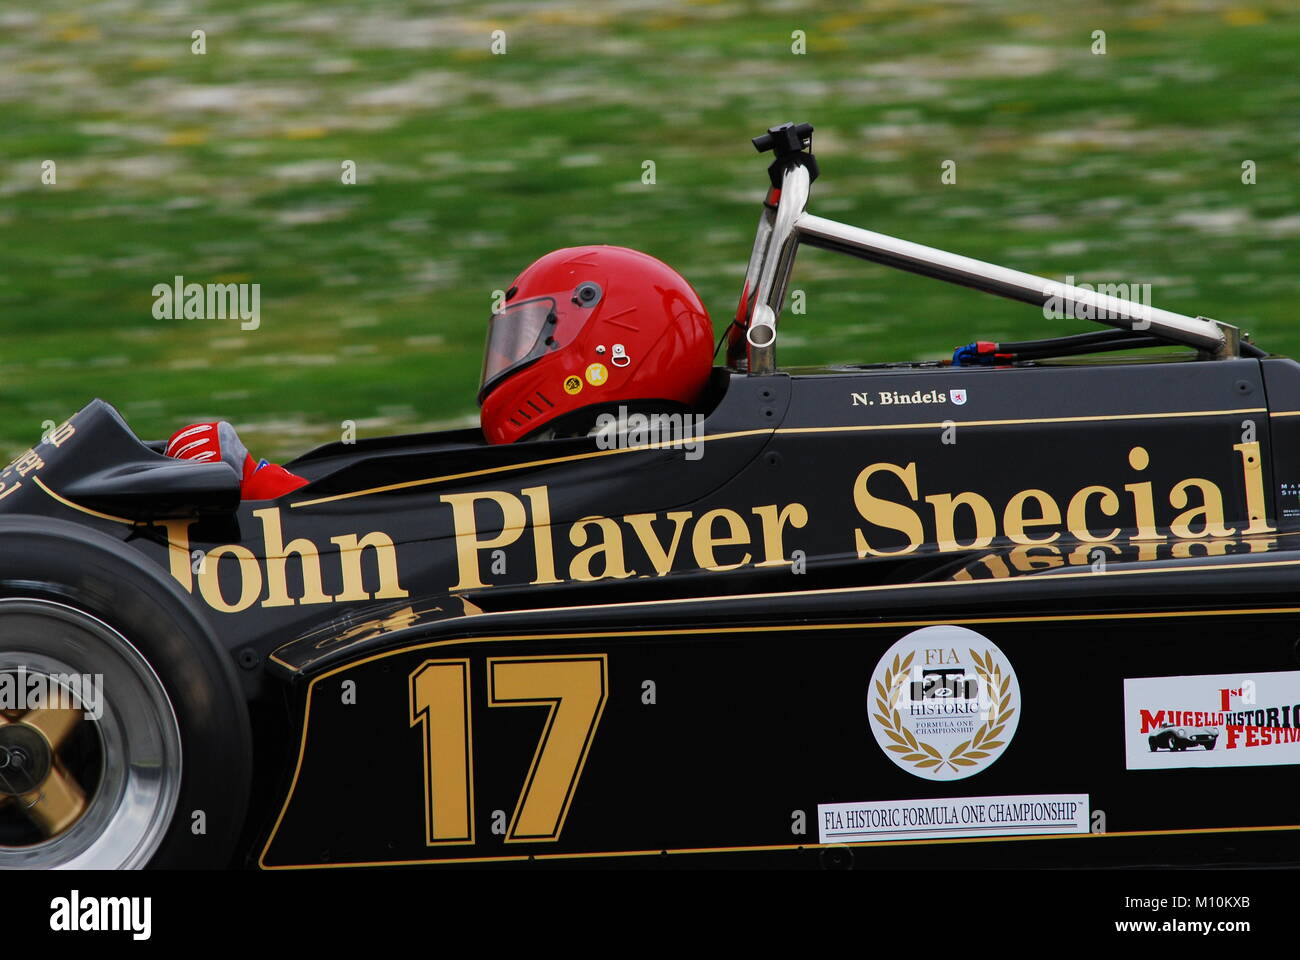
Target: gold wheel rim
<point x="58" y="800"/>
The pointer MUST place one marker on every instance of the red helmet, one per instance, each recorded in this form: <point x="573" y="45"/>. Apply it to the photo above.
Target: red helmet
<point x="589" y="326"/>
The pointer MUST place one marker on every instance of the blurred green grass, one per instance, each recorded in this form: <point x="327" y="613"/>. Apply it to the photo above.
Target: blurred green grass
<point x="1122" y="168"/>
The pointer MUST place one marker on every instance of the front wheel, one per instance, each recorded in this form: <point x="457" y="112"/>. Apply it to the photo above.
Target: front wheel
<point x="123" y="736"/>
<point x="90" y="762"/>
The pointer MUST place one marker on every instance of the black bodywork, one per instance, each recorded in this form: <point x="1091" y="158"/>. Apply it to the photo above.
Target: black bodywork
<point x="1097" y="521"/>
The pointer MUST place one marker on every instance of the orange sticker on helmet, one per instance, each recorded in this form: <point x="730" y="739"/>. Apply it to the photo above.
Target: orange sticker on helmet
<point x="572" y="384"/>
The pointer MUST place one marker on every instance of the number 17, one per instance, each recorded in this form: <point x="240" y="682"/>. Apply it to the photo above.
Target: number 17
<point x="573" y="688"/>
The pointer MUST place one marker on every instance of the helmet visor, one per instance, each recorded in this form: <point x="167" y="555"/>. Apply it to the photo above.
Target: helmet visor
<point x="517" y="336"/>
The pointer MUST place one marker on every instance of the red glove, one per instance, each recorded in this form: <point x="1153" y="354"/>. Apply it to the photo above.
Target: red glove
<point x="210" y="442"/>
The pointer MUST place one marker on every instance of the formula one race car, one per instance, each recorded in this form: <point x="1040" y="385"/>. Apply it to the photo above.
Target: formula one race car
<point x="844" y="622"/>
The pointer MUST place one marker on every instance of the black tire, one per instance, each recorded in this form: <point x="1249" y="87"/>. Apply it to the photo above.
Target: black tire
<point x="78" y="576"/>
<point x="1210" y="745"/>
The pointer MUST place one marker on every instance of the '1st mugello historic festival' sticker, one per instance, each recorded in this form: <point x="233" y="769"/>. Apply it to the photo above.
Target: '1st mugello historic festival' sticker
<point x="1221" y="720"/>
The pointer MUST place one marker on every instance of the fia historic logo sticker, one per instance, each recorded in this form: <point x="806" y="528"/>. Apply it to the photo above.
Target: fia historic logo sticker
<point x="945" y="702"/>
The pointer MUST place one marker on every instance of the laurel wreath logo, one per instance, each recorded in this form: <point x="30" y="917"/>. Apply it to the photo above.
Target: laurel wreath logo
<point x="968" y="753"/>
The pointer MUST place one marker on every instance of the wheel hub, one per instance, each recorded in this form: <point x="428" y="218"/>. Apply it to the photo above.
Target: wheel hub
<point x="37" y="788"/>
<point x="25" y="759"/>
<point x="82" y="791"/>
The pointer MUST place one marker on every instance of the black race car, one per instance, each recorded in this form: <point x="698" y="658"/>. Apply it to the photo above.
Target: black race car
<point x="876" y="581"/>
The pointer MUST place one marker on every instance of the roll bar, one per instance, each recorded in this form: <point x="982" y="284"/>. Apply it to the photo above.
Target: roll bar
<point x="785" y="223"/>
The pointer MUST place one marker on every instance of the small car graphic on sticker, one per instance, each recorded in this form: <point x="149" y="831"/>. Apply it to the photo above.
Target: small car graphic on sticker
<point x="1175" y="738"/>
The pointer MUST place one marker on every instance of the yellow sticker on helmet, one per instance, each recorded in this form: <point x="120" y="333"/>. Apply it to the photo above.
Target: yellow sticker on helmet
<point x="597" y="374"/>
<point x="572" y="384"/>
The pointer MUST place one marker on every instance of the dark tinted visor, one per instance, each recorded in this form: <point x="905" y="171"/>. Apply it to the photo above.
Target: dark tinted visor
<point x="517" y="336"/>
